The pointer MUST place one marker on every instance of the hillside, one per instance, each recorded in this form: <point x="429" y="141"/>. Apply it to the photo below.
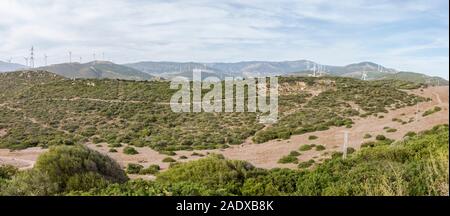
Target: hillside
<point x="6" y="67"/>
<point x="43" y="115"/>
<point x="14" y="82"/>
<point x="416" y="78"/>
<point x="138" y="113"/>
<point x="97" y="70"/>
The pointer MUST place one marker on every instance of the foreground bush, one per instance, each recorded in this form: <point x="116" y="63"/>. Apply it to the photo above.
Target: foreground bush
<point x="66" y="168"/>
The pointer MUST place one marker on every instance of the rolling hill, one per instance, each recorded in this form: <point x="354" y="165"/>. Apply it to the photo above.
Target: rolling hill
<point x="416" y="78"/>
<point x="263" y="68"/>
<point x="97" y="70"/>
<point x="6" y="67"/>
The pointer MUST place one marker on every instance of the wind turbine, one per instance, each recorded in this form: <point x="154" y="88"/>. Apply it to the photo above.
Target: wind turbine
<point x="364" y="75"/>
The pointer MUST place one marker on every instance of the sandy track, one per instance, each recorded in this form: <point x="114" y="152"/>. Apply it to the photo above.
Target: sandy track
<point x="23" y="159"/>
<point x="267" y="154"/>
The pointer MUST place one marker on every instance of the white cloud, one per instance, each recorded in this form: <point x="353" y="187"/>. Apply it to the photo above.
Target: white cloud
<point x="331" y="32"/>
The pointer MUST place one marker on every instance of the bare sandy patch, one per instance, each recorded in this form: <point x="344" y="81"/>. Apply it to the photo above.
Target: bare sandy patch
<point x="22" y="159"/>
<point x="3" y="132"/>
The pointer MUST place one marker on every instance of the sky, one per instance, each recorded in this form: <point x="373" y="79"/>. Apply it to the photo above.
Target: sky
<point x="408" y="35"/>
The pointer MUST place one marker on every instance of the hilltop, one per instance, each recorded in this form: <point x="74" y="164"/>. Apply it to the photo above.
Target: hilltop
<point x="416" y="78"/>
<point x="96" y="70"/>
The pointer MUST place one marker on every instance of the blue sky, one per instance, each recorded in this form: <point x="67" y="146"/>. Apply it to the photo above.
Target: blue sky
<point x="402" y="34"/>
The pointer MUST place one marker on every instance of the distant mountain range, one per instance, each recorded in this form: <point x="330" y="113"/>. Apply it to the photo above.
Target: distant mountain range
<point x="263" y="68"/>
<point x="150" y="70"/>
<point x="284" y="68"/>
<point x="5" y="66"/>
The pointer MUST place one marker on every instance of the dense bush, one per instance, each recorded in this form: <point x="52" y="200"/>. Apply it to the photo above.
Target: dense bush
<point x="151" y="170"/>
<point x="130" y="150"/>
<point x="306" y="164"/>
<point x="134" y="168"/>
<point x="380" y="137"/>
<point x="320" y="148"/>
<point x="7" y="171"/>
<point x="67" y="168"/>
<point x="305" y="147"/>
<point x="431" y="111"/>
<point x="288" y="159"/>
<point x="168" y="160"/>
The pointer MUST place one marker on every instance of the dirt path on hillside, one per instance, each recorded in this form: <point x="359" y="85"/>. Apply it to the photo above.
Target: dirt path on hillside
<point x="266" y="155"/>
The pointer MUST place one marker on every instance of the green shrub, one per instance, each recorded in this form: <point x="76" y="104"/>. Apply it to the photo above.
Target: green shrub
<point x="431" y="111"/>
<point x="130" y="150"/>
<point x="306" y="164"/>
<point x="170" y="153"/>
<point x="115" y="145"/>
<point x="112" y="150"/>
<point x="67" y="168"/>
<point x="391" y="130"/>
<point x="312" y="137"/>
<point x="134" y="168"/>
<point x="294" y="153"/>
<point x="151" y="170"/>
<point x="288" y="159"/>
<point x="350" y="150"/>
<point x="380" y="137"/>
<point x="410" y="134"/>
<point x="305" y="147"/>
<point x="320" y="148"/>
<point x="7" y="171"/>
<point x="168" y="160"/>
<point x="367" y="136"/>
<point x="197" y="154"/>
<point x="183" y="157"/>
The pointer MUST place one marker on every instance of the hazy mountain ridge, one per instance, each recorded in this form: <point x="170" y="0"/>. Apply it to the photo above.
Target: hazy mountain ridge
<point x="261" y="68"/>
<point x="97" y="70"/>
<point x="5" y="66"/>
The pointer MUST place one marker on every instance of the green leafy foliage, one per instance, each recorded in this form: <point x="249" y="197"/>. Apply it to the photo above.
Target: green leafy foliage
<point x="66" y="168"/>
<point x="431" y="111"/>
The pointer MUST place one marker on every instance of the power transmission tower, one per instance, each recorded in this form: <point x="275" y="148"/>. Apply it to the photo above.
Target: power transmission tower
<point x="70" y="56"/>
<point x="32" y="57"/>
<point x="81" y="58"/>
<point x="344" y="150"/>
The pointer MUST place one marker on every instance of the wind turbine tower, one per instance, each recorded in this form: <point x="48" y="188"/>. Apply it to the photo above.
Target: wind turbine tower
<point x="32" y="57"/>
<point x="364" y="75"/>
